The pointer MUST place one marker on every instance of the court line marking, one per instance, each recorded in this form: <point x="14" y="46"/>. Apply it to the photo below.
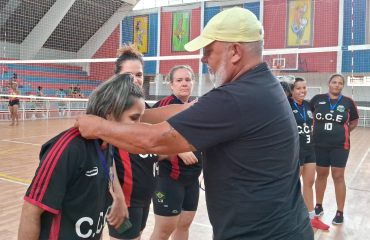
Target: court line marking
<point x="36" y="136"/>
<point x="14" y="149"/>
<point x="15" y="179"/>
<point x="326" y="218"/>
<point x="18" y="181"/>
<point x="7" y="140"/>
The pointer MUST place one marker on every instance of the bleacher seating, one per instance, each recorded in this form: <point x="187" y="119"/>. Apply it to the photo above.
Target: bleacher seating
<point x="51" y="77"/>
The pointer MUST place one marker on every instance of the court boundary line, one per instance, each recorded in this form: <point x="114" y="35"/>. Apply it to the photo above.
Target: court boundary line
<point x="8" y="180"/>
<point x="348" y="185"/>
<point x="7" y="140"/>
<point x="15" y="149"/>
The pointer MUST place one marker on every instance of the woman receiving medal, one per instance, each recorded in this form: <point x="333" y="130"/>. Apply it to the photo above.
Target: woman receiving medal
<point x="335" y="116"/>
<point x="307" y="160"/>
<point x="68" y="197"/>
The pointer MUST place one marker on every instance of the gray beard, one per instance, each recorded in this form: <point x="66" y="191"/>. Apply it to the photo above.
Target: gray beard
<point x="220" y="76"/>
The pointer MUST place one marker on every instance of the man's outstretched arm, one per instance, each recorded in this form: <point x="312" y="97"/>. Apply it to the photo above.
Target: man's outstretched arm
<point x="158" y="115"/>
<point x="138" y="138"/>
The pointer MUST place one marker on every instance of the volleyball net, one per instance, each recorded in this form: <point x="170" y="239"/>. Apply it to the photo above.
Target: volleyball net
<point x="309" y="39"/>
<point x="315" y="65"/>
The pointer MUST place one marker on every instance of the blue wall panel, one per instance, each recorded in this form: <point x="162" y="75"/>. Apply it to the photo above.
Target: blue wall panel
<point x="361" y="58"/>
<point x="208" y="14"/>
<point x="254" y="7"/>
<point x="127" y="36"/>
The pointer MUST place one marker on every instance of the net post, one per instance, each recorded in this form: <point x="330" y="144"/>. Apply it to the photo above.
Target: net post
<point x="200" y="81"/>
<point x="157" y="84"/>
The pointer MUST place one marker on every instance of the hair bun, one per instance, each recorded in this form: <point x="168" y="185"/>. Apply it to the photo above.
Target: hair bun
<point x="128" y="49"/>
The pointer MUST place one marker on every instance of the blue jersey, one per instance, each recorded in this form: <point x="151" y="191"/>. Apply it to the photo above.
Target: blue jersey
<point x="61" y="94"/>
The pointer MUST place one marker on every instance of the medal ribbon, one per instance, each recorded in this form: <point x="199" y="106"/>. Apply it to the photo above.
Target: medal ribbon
<point x="102" y="160"/>
<point x="304" y="111"/>
<point x="180" y="99"/>
<point x="331" y="106"/>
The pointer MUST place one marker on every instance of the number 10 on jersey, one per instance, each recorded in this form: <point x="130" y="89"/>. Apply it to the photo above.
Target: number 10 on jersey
<point x="328" y="126"/>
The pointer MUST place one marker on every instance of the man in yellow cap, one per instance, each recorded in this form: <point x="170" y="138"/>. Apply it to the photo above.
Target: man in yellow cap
<point x="244" y="127"/>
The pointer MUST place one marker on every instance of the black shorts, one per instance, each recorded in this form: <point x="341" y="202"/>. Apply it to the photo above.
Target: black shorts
<point x="335" y="157"/>
<point x="172" y="196"/>
<point x="61" y="104"/>
<point x="138" y="218"/>
<point x="307" y="157"/>
<point x="13" y="102"/>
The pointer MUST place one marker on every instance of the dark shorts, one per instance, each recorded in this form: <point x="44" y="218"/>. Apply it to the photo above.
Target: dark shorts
<point x="172" y="196"/>
<point x="335" y="157"/>
<point x="138" y="218"/>
<point x="61" y="104"/>
<point x="307" y="157"/>
<point x="13" y="102"/>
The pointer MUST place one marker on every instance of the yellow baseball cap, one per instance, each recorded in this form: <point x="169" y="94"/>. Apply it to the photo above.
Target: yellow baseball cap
<point x="232" y="25"/>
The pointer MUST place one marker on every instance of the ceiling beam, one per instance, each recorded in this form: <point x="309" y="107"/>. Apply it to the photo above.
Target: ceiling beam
<point x="97" y="40"/>
<point x="42" y="31"/>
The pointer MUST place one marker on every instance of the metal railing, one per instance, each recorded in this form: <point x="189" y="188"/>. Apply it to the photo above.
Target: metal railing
<point x="32" y="107"/>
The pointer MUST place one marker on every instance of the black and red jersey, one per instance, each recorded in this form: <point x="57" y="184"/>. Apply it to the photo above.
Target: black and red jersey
<point x="136" y="174"/>
<point x="301" y="111"/>
<point x="176" y="168"/>
<point x="331" y="125"/>
<point x="71" y="186"/>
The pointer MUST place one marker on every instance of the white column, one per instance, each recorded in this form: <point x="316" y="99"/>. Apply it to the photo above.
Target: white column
<point x="158" y="79"/>
<point x="340" y="36"/>
<point x="200" y="82"/>
<point x="42" y="31"/>
<point x="261" y="11"/>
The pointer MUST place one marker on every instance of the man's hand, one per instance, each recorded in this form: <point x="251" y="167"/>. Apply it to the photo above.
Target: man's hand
<point x="88" y="125"/>
<point x="188" y="158"/>
<point x="118" y="213"/>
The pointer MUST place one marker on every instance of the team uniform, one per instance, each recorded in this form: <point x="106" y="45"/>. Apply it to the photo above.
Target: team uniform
<point x="178" y="183"/>
<point x="13" y="100"/>
<point x="304" y="119"/>
<point x="61" y="104"/>
<point x="71" y="185"/>
<point x="61" y="95"/>
<point x="136" y="174"/>
<point x="251" y="170"/>
<point x="39" y="102"/>
<point x="331" y="131"/>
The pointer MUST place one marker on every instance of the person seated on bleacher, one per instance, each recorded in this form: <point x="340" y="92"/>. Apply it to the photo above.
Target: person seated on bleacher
<point x="77" y="92"/>
<point x="7" y="91"/>
<point x="71" y="91"/>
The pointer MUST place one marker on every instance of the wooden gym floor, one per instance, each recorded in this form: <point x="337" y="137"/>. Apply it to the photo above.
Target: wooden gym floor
<point x="20" y="146"/>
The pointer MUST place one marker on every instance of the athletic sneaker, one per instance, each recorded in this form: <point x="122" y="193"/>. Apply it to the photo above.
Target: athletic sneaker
<point x="33" y="118"/>
<point x="338" y="219"/>
<point x="317" y="223"/>
<point x="319" y="210"/>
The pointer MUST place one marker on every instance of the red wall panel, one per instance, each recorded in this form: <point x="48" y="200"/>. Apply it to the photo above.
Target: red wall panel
<point x="326" y="19"/>
<point x="103" y="71"/>
<point x="166" y="32"/>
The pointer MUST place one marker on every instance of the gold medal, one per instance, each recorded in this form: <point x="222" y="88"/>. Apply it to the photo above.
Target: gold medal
<point x="304" y="124"/>
<point x="331" y="111"/>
